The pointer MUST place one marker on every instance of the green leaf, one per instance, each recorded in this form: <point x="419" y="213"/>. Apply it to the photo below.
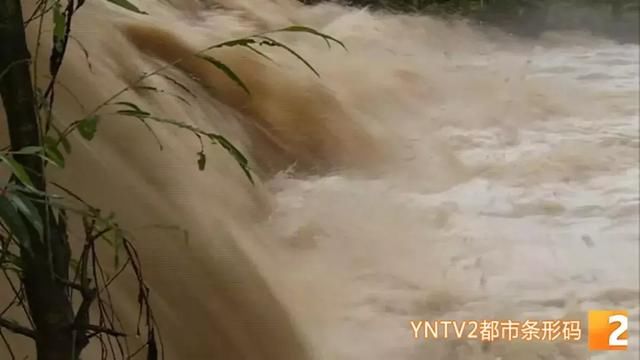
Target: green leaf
<point x="87" y="127"/>
<point x="11" y="259"/>
<point x="10" y="216"/>
<point x="215" y="138"/>
<point x="84" y="51"/>
<point x="258" y="52"/>
<point x="153" y="133"/>
<point x="63" y="140"/>
<point x="244" y="42"/>
<point x="59" y="22"/>
<point x="26" y="207"/>
<point x="236" y="42"/>
<point x="178" y="84"/>
<point x="30" y="190"/>
<point x="202" y="160"/>
<point x="133" y="110"/>
<point x="271" y="42"/>
<point x="54" y="155"/>
<point x="225" y="69"/>
<point x="231" y="149"/>
<point x="133" y="113"/>
<point x="17" y="170"/>
<point x="298" y="28"/>
<point x="79" y="4"/>
<point x="28" y="150"/>
<point x="127" y="5"/>
<point x="131" y="105"/>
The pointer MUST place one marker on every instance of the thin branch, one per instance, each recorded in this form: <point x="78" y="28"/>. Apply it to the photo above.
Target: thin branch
<point x="11" y="303"/>
<point x="7" y="345"/>
<point x="103" y="330"/>
<point x="18" y="292"/>
<point x="16" y="328"/>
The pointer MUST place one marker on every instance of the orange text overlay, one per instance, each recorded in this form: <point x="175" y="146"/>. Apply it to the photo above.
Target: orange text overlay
<point x="495" y="330"/>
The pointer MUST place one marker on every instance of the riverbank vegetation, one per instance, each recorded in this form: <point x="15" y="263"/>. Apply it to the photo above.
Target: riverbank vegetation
<point x="617" y="19"/>
<point x="52" y="259"/>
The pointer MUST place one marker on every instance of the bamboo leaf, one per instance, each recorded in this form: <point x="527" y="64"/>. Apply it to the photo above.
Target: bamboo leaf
<point x="178" y="84"/>
<point x="59" y="21"/>
<point x="258" y="52"/>
<point x="133" y="110"/>
<point x="87" y="127"/>
<point x="66" y="145"/>
<point x="28" y="150"/>
<point x="84" y="51"/>
<point x="215" y="138"/>
<point x="224" y="68"/>
<point x="127" y="5"/>
<point x="31" y="191"/>
<point x="59" y="38"/>
<point x="244" y="42"/>
<point x="153" y="133"/>
<point x="54" y="155"/>
<point x="271" y="42"/>
<point x="26" y="207"/>
<point x="11" y="259"/>
<point x="17" y="170"/>
<point x="298" y="28"/>
<point x="152" y="347"/>
<point x="10" y="216"/>
<point x="202" y="160"/>
<point x="133" y="113"/>
<point x="236" y="42"/>
<point x="237" y="154"/>
<point x="131" y="106"/>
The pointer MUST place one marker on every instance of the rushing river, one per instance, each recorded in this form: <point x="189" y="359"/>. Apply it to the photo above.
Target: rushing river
<point x="472" y="175"/>
<point x="537" y="220"/>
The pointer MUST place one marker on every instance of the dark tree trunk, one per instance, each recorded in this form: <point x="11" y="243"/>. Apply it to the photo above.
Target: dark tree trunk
<point x="47" y="260"/>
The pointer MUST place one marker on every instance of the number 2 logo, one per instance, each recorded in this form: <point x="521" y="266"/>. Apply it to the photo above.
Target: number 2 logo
<point x="608" y="330"/>
<point x="614" y="338"/>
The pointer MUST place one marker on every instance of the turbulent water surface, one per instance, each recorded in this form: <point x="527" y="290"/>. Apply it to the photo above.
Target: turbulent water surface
<point x="536" y="218"/>
<point x="543" y="224"/>
<point x="506" y="185"/>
